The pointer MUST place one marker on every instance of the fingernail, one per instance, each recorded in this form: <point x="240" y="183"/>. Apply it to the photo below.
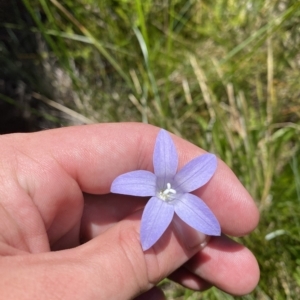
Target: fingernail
<point x="196" y="238"/>
<point x="207" y="238"/>
<point x="189" y="237"/>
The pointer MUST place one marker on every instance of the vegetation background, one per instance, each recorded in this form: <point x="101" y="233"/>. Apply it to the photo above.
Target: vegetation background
<point x="223" y="74"/>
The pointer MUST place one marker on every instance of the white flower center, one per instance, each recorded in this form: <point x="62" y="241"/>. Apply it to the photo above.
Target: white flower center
<point x="167" y="193"/>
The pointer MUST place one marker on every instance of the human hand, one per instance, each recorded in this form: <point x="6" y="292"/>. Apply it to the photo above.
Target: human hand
<point x="54" y="195"/>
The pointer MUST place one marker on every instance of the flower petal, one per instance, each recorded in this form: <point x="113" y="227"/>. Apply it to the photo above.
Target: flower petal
<point x="165" y="158"/>
<point x="156" y="218"/>
<point x="193" y="211"/>
<point x="196" y="173"/>
<point x="136" y="183"/>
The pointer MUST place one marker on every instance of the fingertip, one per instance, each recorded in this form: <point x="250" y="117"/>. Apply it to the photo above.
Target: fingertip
<point x="228" y="265"/>
<point x="250" y="279"/>
<point x="231" y="202"/>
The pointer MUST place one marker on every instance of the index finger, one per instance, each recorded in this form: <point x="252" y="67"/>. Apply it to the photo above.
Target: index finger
<point x="95" y="155"/>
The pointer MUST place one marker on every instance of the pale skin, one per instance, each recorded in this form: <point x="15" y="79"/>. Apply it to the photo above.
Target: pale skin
<point x="54" y="195"/>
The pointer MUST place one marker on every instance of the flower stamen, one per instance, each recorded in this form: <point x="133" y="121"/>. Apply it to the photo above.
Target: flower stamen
<point x="167" y="193"/>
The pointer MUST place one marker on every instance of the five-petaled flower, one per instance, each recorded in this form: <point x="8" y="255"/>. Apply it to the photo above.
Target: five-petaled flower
<point x="170" y="191"/>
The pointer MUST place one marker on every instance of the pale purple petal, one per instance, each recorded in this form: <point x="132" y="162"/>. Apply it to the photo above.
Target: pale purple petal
<point x="165" y="158"/>
<point x="156" y="218"/>
<point x="136" y="183"/>
<point x="196" y="173"/>
<point x="193" y="211"/>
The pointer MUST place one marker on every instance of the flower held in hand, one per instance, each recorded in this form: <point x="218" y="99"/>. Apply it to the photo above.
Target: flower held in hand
<point x="170" y="191"/>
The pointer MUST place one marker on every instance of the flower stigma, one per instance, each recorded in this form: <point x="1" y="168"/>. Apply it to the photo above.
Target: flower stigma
<point x="166" y="194"/>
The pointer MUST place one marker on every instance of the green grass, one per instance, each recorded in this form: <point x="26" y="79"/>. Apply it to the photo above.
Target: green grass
<point x="223" y="74"/>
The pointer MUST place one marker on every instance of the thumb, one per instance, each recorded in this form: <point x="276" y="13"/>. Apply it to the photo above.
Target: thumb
<point x="116" y="256"/>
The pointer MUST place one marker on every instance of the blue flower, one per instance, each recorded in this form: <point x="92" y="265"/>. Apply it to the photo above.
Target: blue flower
<point x="170" y="191"/>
